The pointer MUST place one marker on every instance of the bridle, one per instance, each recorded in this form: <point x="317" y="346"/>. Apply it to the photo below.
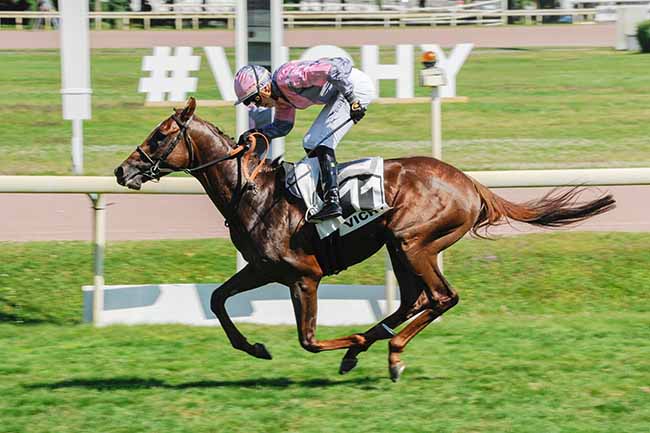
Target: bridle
<point x="154" y="171"/>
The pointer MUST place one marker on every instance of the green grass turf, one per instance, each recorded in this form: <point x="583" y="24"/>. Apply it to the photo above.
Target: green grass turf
<point x="575" y="372"/>
<point x="550" y="336"/>
<point x="538" y="108"/>
<point x="40" y="282"/>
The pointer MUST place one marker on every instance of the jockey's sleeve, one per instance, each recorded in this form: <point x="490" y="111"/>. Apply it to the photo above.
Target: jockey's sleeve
<point x="335" y="70"/>
<point x="339" y="76"/>
<point x="282" y="124"/>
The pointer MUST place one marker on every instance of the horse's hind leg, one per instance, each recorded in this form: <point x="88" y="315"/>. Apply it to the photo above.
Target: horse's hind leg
<point x="442" y="297"/>
<point x="412" y="301"/>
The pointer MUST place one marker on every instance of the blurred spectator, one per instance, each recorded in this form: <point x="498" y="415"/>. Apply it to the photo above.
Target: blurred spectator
<point x="45" y="6"/>
<point x="115" y="6"/>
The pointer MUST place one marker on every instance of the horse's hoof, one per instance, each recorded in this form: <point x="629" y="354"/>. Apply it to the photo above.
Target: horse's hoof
<point x="347" y="364"/>
<point x="260" y="351"/>
<point x="396" y="371"/>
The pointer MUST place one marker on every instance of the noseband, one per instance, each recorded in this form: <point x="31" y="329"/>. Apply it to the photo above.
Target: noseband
<point x="154" y="170"/>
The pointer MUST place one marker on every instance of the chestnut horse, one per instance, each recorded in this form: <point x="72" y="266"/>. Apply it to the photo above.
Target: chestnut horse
<point x="433" y="205"/>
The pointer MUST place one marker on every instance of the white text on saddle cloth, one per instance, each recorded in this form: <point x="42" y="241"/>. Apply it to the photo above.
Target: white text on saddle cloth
<point x="362" y="190"/>
<point x="360" y="219"/>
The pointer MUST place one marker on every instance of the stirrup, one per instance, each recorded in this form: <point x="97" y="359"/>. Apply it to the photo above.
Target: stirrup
<point x="330" y="210"/>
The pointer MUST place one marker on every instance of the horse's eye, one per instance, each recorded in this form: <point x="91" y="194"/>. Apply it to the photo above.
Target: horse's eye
<point x="156" y="140"/>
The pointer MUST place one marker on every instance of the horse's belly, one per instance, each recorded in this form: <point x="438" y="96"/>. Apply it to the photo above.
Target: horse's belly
<point x="336" y="253"/>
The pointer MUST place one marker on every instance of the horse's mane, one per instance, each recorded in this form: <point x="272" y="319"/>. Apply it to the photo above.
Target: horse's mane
<point x="232" y="143"/>
<point x="218" y="132"/>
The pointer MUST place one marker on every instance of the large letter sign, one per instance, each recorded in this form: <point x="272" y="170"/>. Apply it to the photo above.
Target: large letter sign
<point x="320" y="51"/>
<point x="181" y="63"/>
<point x="221" y="72"/>
<point x="402" y="71"/>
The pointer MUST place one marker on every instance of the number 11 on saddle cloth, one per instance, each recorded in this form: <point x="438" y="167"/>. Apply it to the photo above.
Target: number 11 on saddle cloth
<point x="361" y="188"/>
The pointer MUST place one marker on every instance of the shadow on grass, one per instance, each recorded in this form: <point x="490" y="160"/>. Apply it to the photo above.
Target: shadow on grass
<point x="16" y="319"/>
<point x="135" y="383"/>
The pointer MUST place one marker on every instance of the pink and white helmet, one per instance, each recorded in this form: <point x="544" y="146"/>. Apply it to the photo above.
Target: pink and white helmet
<point x="248" y="82"/>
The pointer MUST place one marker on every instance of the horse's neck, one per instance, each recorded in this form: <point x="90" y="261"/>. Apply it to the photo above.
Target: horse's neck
<point x="226" y="186"/>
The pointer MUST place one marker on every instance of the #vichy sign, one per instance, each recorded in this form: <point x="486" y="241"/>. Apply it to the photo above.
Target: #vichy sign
<point x="170" y="72"/>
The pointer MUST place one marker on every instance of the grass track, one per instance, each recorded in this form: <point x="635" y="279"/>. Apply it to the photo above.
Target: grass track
<point x="550" y="336"/>
<point x="514" y="373"/>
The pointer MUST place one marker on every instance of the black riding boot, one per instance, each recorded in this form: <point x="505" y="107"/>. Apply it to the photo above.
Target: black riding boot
<point x="332" y="207"/>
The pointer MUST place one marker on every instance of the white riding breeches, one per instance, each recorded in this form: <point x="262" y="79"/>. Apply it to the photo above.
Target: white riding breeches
<point x="337" y="111"/>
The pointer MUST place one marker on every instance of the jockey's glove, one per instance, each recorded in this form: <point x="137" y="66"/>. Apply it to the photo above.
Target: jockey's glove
<point x="246" y="138"/>
<point x="357" y="111"/>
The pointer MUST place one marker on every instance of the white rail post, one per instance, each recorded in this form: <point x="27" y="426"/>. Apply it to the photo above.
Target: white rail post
<point x="75" y="73"/>
<point x="390" y="286"/>
<point x="99" y="239"/>
<point x="434" y="77"/>
<point x="436" y="136"/>
<point x="504" y="10"/>
<point x="436" y="124"/>
<point x="77" y="147"/>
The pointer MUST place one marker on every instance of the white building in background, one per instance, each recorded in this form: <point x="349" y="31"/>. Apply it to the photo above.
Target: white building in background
<point x="305" y="5"/>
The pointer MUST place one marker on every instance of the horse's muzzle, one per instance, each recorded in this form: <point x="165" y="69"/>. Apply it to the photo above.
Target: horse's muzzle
<point x="119" y="175"/>
<point x="130" y="180"/>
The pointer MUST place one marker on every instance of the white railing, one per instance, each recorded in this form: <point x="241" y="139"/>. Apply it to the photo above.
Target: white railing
<point x="457" y="15"/>
<point x="96" y="187"/>
<point x="188" y="185"/>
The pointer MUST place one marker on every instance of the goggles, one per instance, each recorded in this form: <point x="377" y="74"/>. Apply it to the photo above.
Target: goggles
<point x="255" y="99"/>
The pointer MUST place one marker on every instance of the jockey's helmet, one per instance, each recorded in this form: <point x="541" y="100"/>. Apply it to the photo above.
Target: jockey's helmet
<point x="248" y="82"/>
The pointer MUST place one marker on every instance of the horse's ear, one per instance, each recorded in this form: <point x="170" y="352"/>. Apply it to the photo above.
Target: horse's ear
<point x="188" y="111"/>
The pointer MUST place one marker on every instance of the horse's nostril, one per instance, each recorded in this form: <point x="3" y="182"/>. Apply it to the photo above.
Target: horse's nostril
<point x="119" y="172"/>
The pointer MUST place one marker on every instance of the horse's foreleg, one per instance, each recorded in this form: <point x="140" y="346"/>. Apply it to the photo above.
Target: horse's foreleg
<point x="246" y="279"/>
<point x="305" y="307"/>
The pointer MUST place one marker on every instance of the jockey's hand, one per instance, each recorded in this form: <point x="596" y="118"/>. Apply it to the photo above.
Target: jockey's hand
<point x="246" y="138"/>
<point x="357" y="111"/>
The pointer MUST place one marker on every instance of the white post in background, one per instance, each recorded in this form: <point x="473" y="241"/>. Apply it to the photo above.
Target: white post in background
<point x="75" y="72"/>
<point x="277" y="59"/>
<point x="241" y="60"/>
<point x="436" y="127"/>
<point x="77" y="146"/>
<point x="259" y="40"/>
<point x="99" y="205"/>
<point x="436" y="137"/>
<point x="628" y="18"/>
<point x="390" y="286"/>
<point x="434" y="77"/>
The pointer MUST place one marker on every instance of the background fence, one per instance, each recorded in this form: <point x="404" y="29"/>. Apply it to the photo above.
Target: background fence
<point x="97" y="186"/>
<point x="470" y="14"/>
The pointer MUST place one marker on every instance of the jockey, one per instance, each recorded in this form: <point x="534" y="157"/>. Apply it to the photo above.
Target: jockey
<point x="333" y="82"/>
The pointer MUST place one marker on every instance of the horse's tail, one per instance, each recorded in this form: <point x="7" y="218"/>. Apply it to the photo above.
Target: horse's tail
<point x="555" y="209"/>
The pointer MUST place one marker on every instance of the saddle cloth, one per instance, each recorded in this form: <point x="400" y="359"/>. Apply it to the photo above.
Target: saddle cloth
<point x="361" y="189"/>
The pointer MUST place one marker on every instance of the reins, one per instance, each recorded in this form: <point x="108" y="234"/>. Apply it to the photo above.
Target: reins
<point x="242" y="150"/>
<point x="245" y="150"/>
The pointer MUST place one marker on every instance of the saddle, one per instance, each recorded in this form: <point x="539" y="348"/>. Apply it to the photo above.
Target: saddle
<point x="361" y="190"/>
